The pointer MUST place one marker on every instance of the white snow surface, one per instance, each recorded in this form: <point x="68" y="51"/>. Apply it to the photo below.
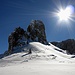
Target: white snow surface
<point x="44" y="60"/>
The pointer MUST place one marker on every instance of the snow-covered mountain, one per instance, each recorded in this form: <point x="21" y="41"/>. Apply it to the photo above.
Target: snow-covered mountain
<point x="25" y="45"/>
<point x="38" y="52"/>
<point x="29" y="53"/>
<point x="19" y="37"/>
<point x="43" y="59"/>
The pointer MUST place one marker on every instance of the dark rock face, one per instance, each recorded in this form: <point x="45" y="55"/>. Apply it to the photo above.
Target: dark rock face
<point x="68" y="45"/>
<point x="20" y="37"/>
<point x="14" y="38"/>
<point x="36" y="30"/>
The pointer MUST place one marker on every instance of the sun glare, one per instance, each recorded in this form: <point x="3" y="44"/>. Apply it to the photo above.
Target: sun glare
<point x="65" y="14"/>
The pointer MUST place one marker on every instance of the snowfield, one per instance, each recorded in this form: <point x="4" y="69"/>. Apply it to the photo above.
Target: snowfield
<point x="39" y="68"/>
<point x="44" y="60"/>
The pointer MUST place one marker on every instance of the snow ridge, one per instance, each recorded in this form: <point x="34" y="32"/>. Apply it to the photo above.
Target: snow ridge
<point x="39" y="52"/>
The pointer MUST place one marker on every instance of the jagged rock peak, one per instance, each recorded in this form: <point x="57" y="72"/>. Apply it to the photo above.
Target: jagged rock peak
<point x="36" y="30"/>
<point x="20" y="37"/>
<point x="16" y="38"/>
<point x="38" y="22"/>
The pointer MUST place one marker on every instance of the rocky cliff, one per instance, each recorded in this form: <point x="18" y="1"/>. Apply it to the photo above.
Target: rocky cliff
<point x="20" y="37"/>
<point x="36" y="31"/>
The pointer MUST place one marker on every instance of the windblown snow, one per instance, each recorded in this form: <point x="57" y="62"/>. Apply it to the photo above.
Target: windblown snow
<point x="44" y="60"/>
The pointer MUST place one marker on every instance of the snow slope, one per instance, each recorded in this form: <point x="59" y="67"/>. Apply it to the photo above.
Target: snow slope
<point x="44" y="60"/>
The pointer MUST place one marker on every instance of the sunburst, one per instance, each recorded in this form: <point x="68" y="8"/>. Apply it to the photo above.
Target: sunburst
<point x="66" y="14"/>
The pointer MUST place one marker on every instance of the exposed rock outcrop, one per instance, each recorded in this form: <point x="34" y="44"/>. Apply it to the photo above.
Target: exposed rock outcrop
<point x="68" y="45"/>
<point x="15" y="37"/>
<point x="20" y="37"/>
<point x="36" y="30"/>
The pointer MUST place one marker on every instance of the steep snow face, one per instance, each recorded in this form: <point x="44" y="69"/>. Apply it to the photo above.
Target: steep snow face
<point x="39" y="52"/>
<point x="51" y="50"/>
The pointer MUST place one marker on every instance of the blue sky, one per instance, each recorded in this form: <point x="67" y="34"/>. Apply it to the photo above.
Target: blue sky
<point x="14" y="13"/>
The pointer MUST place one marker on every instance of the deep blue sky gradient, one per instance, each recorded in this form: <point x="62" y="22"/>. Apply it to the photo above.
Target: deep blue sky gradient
<point x="14" y="13"/>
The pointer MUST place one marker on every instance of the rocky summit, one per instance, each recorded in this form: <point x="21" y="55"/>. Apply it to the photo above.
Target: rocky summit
<point x="19" y="37"/>
<point x="36" y="31"/>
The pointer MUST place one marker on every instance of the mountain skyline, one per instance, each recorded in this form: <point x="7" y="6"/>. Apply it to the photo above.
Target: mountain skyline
<point x="20" y="13"/>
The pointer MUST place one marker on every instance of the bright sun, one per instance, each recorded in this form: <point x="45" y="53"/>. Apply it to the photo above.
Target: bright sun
<point x="65" y="14"/>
